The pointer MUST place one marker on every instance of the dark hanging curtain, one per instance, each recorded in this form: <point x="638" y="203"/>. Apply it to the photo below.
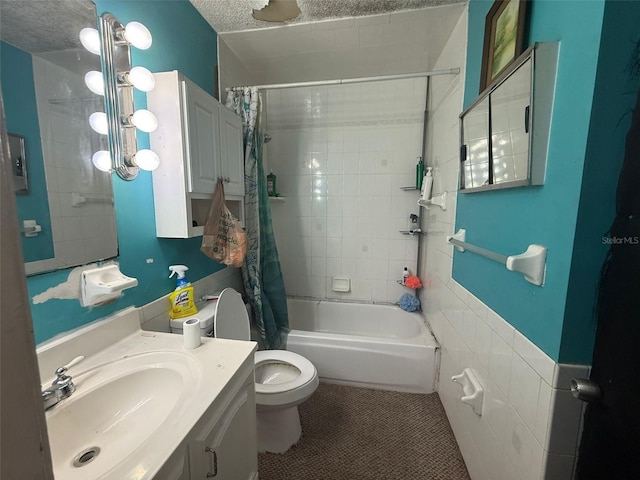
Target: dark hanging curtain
<point x="610" y="446"/>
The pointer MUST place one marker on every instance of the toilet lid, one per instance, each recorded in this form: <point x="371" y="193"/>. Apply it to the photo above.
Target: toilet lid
<point x="307" y="370"/>
<point x="231" y="320"/>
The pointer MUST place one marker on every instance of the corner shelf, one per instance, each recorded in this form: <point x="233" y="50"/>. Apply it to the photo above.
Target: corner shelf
<point x="399" y="282"/>
<point x="408" y="189"/>
<point x="439" y="200"/>
<point x="277" y="199"/>
<point x="412" y="232"/>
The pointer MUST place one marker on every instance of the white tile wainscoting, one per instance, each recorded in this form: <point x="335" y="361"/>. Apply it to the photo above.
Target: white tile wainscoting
<point x="530" y="425"/>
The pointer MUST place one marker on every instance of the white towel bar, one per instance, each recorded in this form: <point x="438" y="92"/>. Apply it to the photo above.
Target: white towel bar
<point x="531" y="263"/>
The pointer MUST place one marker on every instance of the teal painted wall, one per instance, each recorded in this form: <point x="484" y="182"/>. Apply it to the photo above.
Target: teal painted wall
<point x="21" y="111"/>
<point x="614" y="99"/>
<point x="508" y="221"/>
<point x="182" y="40"/>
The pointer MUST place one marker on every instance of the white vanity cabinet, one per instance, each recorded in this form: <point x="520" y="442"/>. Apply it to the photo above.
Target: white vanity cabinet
<point x="225" y="447"/>
<point x="222" y="445"/>
<point x="170" y="413"/>
<point x="197" y="140"/>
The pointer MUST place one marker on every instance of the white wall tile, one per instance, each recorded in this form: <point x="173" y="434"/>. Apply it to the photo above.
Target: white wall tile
<point x="535" y="357"/>
<point x="519" y="444"/>
<point x="500" y="362"/>
<point x="563" y="373"/>
<point x="482" y="342"/>
<point x="336" y="167"/>
<point x="524" y="389"/>
<point x="536" y="463"/>
<point x="495" y="410"/>
<point x="543" y="413"/>
<point x="501" y="327"/>
<point x="558" y="467"/>
<point x="564" y="423"/>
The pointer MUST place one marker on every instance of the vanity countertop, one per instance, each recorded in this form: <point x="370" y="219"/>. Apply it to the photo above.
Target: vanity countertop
<point x="183" y="384"/>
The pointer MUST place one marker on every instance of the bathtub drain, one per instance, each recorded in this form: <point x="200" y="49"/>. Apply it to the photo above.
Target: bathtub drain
<point x="85" y="457"/>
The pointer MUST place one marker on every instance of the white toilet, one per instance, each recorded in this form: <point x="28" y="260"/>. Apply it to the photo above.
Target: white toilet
<point x="283" y="379"/>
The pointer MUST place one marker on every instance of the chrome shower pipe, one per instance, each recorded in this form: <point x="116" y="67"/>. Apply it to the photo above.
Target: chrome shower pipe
<point x="425" y="132"/>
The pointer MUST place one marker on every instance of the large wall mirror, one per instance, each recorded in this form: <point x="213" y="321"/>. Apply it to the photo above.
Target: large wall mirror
<point x="42" y="67"/>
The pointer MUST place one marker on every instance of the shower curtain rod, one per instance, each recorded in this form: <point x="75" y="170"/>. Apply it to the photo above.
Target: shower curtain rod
<point x="341" y="81"/>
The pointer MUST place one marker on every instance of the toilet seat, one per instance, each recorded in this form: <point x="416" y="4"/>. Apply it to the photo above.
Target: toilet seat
<point x="292" y="391"/>
<point x="230" y="318"/>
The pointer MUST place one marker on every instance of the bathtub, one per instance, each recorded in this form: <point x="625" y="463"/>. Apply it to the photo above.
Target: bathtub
<point x="374" y="346"/>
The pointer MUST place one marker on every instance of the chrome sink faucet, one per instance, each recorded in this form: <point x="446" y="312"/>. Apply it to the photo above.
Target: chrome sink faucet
<point x="61" y="387"/>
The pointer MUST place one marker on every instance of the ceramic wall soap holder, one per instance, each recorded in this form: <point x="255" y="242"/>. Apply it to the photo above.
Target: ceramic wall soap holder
<point x="103" y="284"/>
<point x="473" y="392"/>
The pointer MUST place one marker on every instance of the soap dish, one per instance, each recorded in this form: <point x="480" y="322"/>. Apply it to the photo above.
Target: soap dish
<point x="341" y="284"/>
<point x="103" y="284"/>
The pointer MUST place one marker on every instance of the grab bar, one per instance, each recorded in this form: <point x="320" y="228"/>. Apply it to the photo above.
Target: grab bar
<point x="531" y="263"/>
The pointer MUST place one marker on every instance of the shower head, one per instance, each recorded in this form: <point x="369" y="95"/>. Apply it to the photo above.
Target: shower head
<point x="267" y="138"/>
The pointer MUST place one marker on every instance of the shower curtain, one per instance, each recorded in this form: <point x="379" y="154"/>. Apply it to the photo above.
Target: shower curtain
<point x="261" y="273"/>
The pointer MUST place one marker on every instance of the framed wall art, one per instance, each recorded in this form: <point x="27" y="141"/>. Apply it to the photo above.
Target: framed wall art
<point x="503" y="38"/>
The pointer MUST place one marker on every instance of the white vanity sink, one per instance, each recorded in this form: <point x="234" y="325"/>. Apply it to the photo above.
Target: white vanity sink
<point x="117" y="407"/>
<point x="138" y="397"/>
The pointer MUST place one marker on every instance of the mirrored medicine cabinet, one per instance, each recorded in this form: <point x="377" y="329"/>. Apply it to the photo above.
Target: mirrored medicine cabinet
<point x="504" y="133"/>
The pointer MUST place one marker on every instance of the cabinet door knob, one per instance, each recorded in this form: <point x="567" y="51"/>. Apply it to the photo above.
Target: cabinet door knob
<point x="213" y="457"/>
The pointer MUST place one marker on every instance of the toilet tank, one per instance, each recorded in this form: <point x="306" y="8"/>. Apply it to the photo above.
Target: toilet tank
<point x="205" y="314"/>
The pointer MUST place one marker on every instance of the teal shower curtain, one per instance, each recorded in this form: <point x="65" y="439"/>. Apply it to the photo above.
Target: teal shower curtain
<point x="261" y="273"/>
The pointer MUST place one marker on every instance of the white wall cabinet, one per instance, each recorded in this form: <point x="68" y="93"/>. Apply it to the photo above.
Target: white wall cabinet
<point x="203" y="138"/>
<point x="231" y="149"/>
<point x="197" y="140"/>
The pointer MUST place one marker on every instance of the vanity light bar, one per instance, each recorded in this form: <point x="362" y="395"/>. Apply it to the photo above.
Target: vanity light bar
<point x="119" y="79"/>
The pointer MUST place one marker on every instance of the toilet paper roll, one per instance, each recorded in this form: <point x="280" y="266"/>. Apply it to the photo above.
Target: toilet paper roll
<point x="191" y="333"/>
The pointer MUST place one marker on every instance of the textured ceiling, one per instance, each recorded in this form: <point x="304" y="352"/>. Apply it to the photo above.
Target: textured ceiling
<point x="38" y="26"/>
<point x="235" y="15"/>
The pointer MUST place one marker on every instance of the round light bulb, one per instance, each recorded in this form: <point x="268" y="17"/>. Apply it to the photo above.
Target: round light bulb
<point x="90" y="39"/>
<point x="138" y="35"/>
<point x="146" y="159"/>
<point x="144" y="120"/>
<point x="102" y="160"/>
<point x="95" y="82"/>
<point x="98" y="122"/>
<point x="142" y="79"/>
